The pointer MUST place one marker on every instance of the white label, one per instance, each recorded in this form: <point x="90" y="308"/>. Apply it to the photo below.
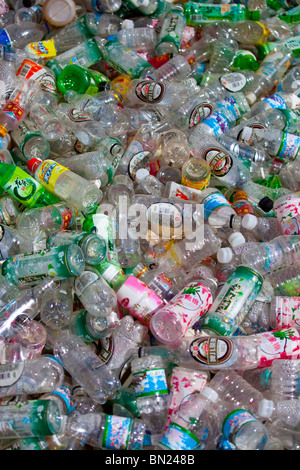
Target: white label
<point x="10" y="373"/>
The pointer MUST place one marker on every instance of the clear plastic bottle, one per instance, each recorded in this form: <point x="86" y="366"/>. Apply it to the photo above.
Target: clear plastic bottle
<point x="107" y="432"/>
<point x="105" y="5"/>
<point x="290" y="175"/>
<point x="275" y="142"/>
<point x="19" y="34"/>
<point x="138" y="39"/>
<point x="118" y="347"/>
<point x="279" y="100"/>
<point x="32" y="376"/>
<point x="277" y="253"/>
<point x="57" y="306"/>
<point x="291" y="82"/>
<point x="164" y="287"/>
<point x="286" y="209"/>
<point x="284" y="379"/>
<point x="191" y="428"/>
<point x="35" y="418"/>
<point x="13" y="242"/>
<point x="66" y="184"/>
<point x="233" y="388"/>
<point x="147" y="184"/>
<point x="84" y="366"/>
<point x="96" y="295"/>
<point x="151" y="389"/>
<point x="266" y="228"/>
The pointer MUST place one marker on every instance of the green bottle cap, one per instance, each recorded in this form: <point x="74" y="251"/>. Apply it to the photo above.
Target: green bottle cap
<point x="74" y="77"/>
<point x="245" y="62"/>
<point x="263" y="50"/>
<point x="253" y="15"/>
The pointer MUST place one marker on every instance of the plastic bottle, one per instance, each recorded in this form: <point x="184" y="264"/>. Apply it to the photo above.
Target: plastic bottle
<point x="117" y="348"/>
<point x="164" y="287"/>
<point x="279" y="252"/>
<point x="171" y="322"/>
<point x="196" y="173"/>
<point x="191" y="429"/>
<point x="233" y="388"/>
<point x="77" y="358"/>
<point x="148" y="184"/>
<point x="134" y="297"/>
<point x="286" y="209"/>
<point x="30" y="140"/>
<point x="39" y="223"/>
<point x="65" y="184"/>
<point x="138" y="39"/>
<point x="35" y="418"/>
<point x="19" y="34"/>
<point x="266" y="228"/>
<point x="107" y="432"/>
<point x="276" y="143"/>
<point x="56" y="306"/>
<point x="32" y="376"/>
<point x="171" y="31"/>
<point x="106" y="5"/>
<point x="58" y="262"/>
<point x="59" y="13"/>
<point x="95" y="294"/>
<point x="81" y="79"/>
<point x="33" y="14"/>
<point x="151" y="389"/>
<point x="211" y="352"/>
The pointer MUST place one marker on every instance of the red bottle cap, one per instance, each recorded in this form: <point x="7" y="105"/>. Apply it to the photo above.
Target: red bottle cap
<point x="33" y="164"/>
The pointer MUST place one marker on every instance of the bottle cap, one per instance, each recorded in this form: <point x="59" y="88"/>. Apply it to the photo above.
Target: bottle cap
<point x="59" y="12"/>
<point x="251" y="98"/>
<point x="224" y="255"/>
<point x="141" y="174"/>
<point x="33" y="163"/>
<point x="127" y="24"/>
<point x="236" y="239"/>
<point x="210" y="393"/>
<point x="249" y="221"/>
<point x="265" y="408"/>
<point x="266" y="204"/>
<point x="3" y="130"/>
<point x="240" y="195"/>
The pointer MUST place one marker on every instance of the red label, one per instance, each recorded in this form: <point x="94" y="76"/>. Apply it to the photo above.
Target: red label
<point x="14" y="110"/>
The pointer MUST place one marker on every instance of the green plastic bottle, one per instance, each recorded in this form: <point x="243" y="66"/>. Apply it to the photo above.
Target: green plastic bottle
<point x="81" y="79"/>
<point x="198" y="14"/>
<point x="24" y="188"/>
<point x="244" y="60"/>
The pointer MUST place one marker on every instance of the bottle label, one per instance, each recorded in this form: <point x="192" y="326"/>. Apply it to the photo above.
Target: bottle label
<point x="49" y="172"/>
<point x="269" y="65"/>
<point x="4" y="38"/>
<point x="44" y="49"/>
<point x="231" y="104"/>
<point x="199" y="113"/>
<point x="276" y="101"/>
<point x="289" y="147"/>
<point x="10" y="373"/>
<point x="217" y="123"/>
<point x="83" y="282"/>
<point x="137" y="161"/>
<point x="65" y="393"/>
<point x="135" y="298"/>
<point x="21" y="187"/>
<point x="288" y="213"/>
<point x="30" y="69"/>
<point x="220" y="162"/>
<point x="14" y="110"/>
<point x="192" y="302"/>
<point x="177" y="437"/>
<point x="287" y="310"/>
<point x="274" y="256"/>
<point x="116" y="432"/>
<point x="233" y="81"/>
<point x="184" y="384"/>
<point x="283" y="343"/>
<point x="212" y="202"/>
<point x="234" y="421"/>
<point x="200" y="185"/>
<point x="106" y="346"/>
<point x="149" y="383"/>
<point x="67" y="217"/>
<point x="150" y="91"/>
<point x="211" y="351"/>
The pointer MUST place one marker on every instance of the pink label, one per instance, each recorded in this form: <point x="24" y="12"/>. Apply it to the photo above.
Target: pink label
<point x="137" y="299"/>
<point x="288" y="214"/>
<point x="287" y="311"/>
<point x="192" y="302"/>
<point x="283" y="343"/>
<point x="184" y="383"/>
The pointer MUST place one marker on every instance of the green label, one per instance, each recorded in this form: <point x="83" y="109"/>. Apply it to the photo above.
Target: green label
<point x="23" y="187"/>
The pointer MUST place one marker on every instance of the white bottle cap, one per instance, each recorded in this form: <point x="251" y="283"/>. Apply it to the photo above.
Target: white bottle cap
<point x="210" y="393"/>
<point x="295" y="101"/>
<point x="141" y="174"/>
<point x="59" y="12"/>
<point x="246" y="133"/>
<point x="249" y="221"/>
<point x="224" y="255"/>
<point x="251" y="98"/>
<point x="236" y="239"/>
<point x="265" y="408"/>
<point x="127" y="24"/>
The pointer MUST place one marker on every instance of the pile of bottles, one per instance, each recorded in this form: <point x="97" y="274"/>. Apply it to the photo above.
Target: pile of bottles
<point x="149" y="225"/>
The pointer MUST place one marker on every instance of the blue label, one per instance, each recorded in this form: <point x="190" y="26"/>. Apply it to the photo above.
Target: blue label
<point x="217" y="122"/>
<point x="150" y="382"/>
<point x="234" y="421"/>
<point x="4" y="37"/>
<point x="276" y="101"/>
<point x="65" y="393"/>
<point x="213" y="202"/>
